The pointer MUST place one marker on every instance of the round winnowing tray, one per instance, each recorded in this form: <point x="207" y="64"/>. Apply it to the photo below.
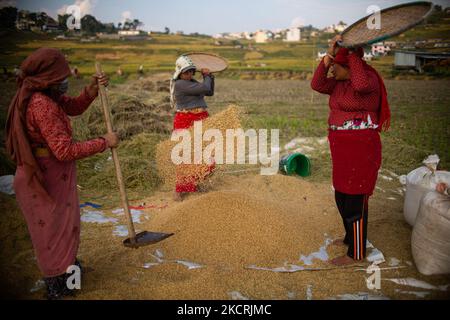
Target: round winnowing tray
<point x="208" y="61"/>
<point x="394" y="20"/>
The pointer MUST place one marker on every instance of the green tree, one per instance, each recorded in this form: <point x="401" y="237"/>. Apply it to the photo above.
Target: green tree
<point x="8" y="17"/>
<point x="90" y="25"/>
<point x="62" y="21"/>
<point x="137" y="24"/>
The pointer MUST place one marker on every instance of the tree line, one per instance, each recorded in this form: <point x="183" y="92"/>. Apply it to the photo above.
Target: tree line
<point x="11" y="18"/>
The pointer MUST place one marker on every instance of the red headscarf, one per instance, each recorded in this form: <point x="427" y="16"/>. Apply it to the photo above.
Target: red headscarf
<point x="384" y="116"/>
<point x="40" y="70"/>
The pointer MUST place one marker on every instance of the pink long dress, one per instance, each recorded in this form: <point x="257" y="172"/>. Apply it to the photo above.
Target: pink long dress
<point x="55" y="226"/>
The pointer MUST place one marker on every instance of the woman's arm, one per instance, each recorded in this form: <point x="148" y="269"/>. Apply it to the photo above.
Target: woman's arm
<point x="52" y="126"/>
<point x="194" y="88"/>
<point x="320" y="81"/>
<point x="361" y="81"/>
<point x="211" y="79"/>
<point x="76" y="106"/>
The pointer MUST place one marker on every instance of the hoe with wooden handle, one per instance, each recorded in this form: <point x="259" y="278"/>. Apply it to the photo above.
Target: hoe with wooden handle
<point x="135" y="240"/>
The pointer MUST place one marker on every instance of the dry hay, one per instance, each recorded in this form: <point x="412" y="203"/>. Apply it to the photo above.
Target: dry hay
<point x="130" y="116"/>
<point x="229" y="118"/>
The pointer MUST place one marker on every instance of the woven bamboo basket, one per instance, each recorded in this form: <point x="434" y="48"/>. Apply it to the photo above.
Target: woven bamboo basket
<point x="209" y="61"/>
<point x="394" y="20"/>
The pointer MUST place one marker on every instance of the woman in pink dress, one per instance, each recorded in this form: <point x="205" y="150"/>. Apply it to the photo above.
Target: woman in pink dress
<point x="39" y="140"/>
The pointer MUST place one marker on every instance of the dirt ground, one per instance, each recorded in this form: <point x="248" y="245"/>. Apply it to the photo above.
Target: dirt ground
<point x="213" y="247"/>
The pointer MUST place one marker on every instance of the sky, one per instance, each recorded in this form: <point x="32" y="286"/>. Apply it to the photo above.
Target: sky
<point x="214" y="16"/>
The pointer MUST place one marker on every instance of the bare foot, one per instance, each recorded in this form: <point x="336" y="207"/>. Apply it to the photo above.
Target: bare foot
<point x="178" y="196"/>
<point x="342" y="261"/>
<point x="338" y="242"/>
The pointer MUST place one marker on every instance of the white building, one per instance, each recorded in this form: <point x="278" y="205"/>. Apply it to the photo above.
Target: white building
<point x="263" y="36"/>
<point x="368" y="56"/>
<point x="380" y="49"/>
<point x="320" y="55"/>
<point x="341" y="26"/>
<point x="128" y="33"/>
<point x="248" y="35"/>
<point x="293" y="35"/>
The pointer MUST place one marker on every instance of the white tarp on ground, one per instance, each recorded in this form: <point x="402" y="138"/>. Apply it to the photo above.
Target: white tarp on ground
<point x="6" y="184"/>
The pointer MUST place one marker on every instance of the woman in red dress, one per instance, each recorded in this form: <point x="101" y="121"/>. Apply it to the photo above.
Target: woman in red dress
<point x="39" y="140"/>
<point x="359" y="110"/>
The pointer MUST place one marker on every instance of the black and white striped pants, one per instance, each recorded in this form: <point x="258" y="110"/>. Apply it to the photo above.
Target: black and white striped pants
<point x="354" y="213"/>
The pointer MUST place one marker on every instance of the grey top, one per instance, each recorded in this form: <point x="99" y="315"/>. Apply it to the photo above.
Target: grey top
<point x="191" y="94"/>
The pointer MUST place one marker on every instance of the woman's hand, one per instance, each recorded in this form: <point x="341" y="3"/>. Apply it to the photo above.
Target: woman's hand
<point x="205" y="72"/>
<point x="101" y="79"/>
<point x="441" y="187"/>
<point x="332" y="49"/>
<point x="112" y="140"/>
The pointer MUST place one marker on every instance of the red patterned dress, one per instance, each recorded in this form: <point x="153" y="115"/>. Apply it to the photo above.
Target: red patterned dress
<point x="55" y="227"/>
<point x="354" y="116"/>
<point x="357" y="108"/>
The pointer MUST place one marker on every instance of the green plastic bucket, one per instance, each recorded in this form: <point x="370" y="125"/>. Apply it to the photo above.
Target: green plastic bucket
<point x="295" y="163"/>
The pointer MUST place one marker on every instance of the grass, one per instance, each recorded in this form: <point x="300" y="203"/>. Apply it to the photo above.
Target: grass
<point x="159" y="54"/>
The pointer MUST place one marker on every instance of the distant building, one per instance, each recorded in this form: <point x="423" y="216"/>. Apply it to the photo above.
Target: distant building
<point x="108" y="36"/>
<point x="368" y="56"/>
<point x="391" y="44"/>
<point x="132" y="35"/>
<point x="416" y="60"/>
<point x="263" y="36"/>
<point x="293" y="35"/>
<point x="248" y="35"/>
<point x="235" y="35"/>
<point x="380" y="49"/>
<point x="320" y="55"/>
<point x="51" y="27"/>
<point x="336" y="28"/>
<point x="128" y="33"/>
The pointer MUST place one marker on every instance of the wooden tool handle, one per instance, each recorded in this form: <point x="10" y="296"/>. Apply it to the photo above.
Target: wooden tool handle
<point x="115" y="156"/>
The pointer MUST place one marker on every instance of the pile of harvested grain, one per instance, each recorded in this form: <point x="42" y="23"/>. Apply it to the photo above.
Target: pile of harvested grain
<point x="252" y="223"/>
<point x="230" y="118"/>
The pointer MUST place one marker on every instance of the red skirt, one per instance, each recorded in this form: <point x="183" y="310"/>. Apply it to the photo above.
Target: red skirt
<point x="185" y="183"/>
<point x="356" y="157"/>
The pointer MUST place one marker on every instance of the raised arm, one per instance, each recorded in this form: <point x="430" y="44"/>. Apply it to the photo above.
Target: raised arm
<point x="320" y="81"/>
<point x="75" y="106"/>
<point x="195" y="88"/>
<point x="211" y="78"/>
<point x="361" y="80"/>
<point x="52" y="126"/>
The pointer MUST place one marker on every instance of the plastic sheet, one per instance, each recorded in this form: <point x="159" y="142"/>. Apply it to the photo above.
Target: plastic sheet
<point x="96" y="217"/>
<point x="6" y="184"/>
<point x="236" y="295"/>
<point x="411" y="282"/>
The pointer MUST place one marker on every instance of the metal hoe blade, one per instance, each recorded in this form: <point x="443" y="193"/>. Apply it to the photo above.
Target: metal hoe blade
<point x="146" y="238"/>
